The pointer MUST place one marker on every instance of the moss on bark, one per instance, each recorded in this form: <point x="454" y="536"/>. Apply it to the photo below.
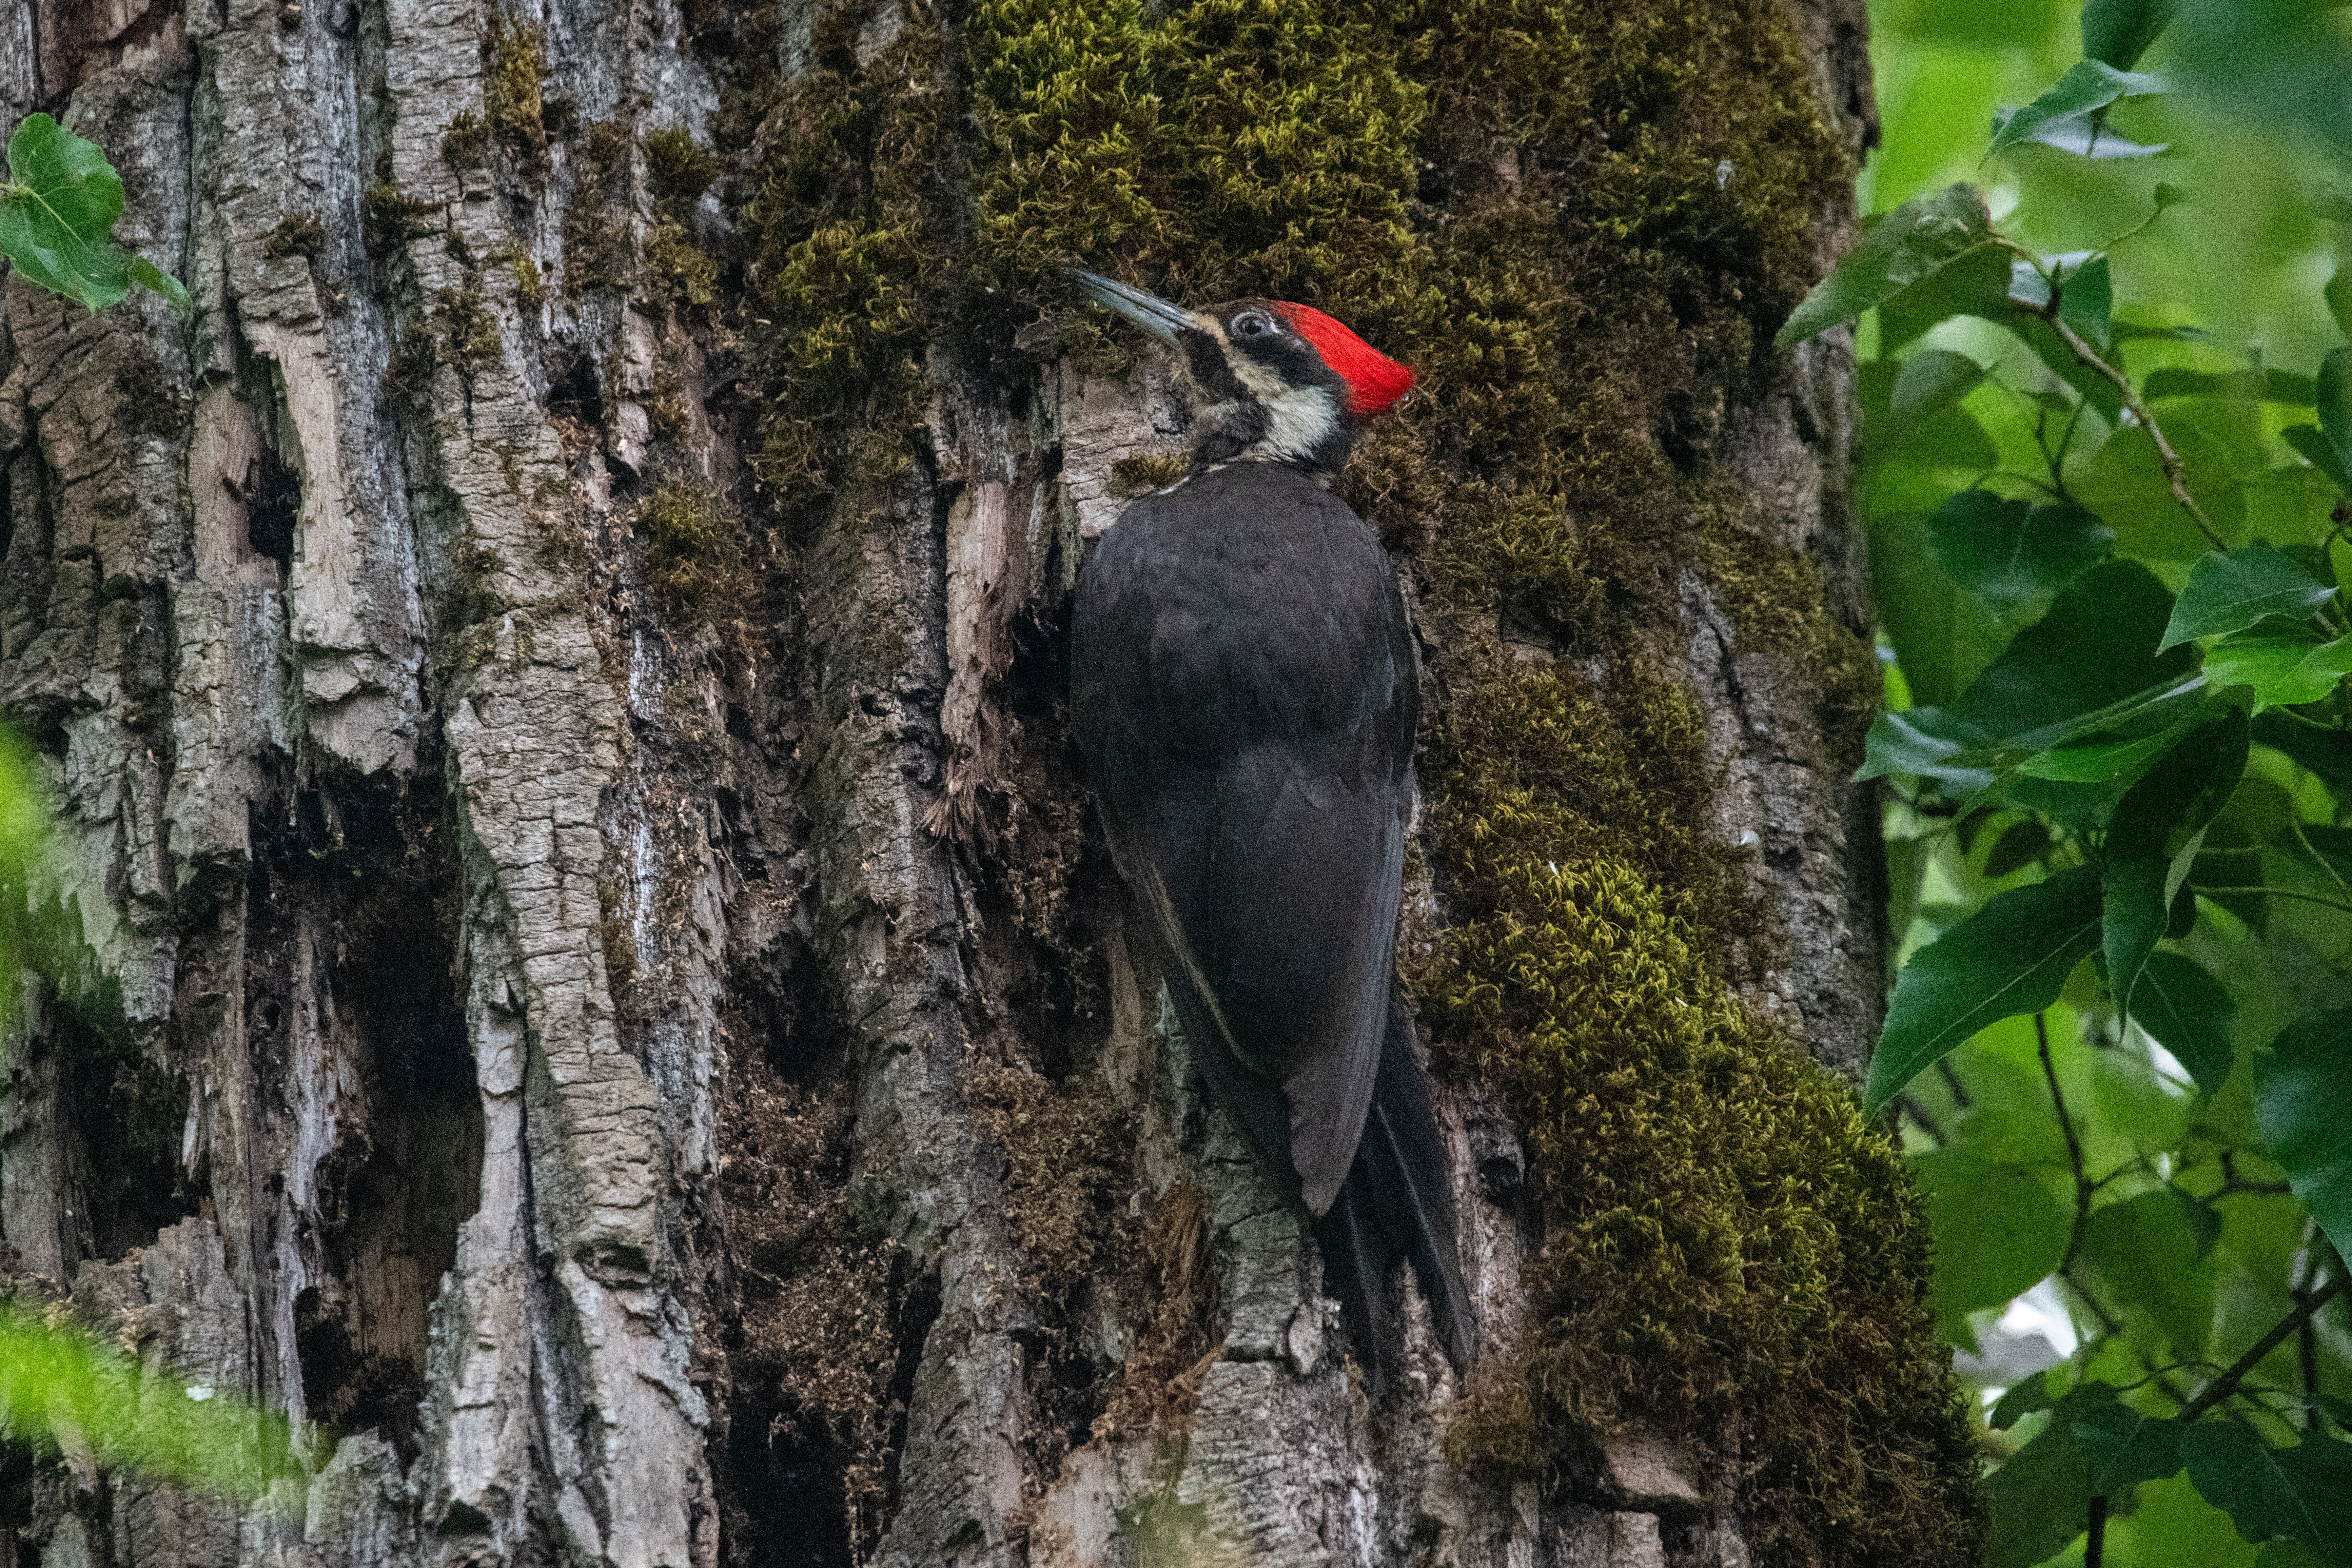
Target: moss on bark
<point x="1580" y="221"/>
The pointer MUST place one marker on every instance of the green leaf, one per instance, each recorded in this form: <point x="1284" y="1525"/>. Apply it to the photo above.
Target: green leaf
<point x="2086" y="300"/>
<point x="56" y="223"/>
<point x="2334" y="403"/>
<point x="1974" y="283"/>
<point x="2152" y="1249"/>
<point x="2041" y="1498"/>
<point x="2100" y="761"/>
<point x="55" y="1382"/>
<point x="2010" y="552"/>
<point x="2022" y="1400"/>
<point x="2228" y="593"/>
<point x="2121" y="1446"/>
<point x="2085" y="137"/>
<point x="2156" y="819"/>
<point x="2168" y="196"/>
<point x="2332" y="844"/>
<point x="2303" y="1084"/>
<point x="2090" y="651"/>
<point x="1924" y="741"/>
<point x="2010" y="957"/>
<point x="1910" y="244"/>
<point x="2119" y="31"/>
<point x="2338" y="295"/>
<point x="2318" y="451"/>
<point x="155" y="280"/>
<point x="2123" y="482"/>
<point x="1929" y="383"/>
<point x="2021" y="845"/>
<point x="1998" y="1230"/>
<point x="2326" y="752"/>
<point x="1942" y="637"/>
<point x="2303" y="1493"/>
<point x="2190" y="1014"/>
<point x="2249" y="385"/>
<point x="2283" y="1553"/>
<point x="2088" y="85"/>
<point x="2282" y="671"/>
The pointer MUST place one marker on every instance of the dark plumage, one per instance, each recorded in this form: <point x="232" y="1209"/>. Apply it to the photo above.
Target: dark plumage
<point x="1245" y="691"/>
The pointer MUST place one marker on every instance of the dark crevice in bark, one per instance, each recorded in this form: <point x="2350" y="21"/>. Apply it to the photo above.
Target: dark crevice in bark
<point x="352" y="889"/>
<point x="125" y="1114"/>
<point x="273" y="501"/>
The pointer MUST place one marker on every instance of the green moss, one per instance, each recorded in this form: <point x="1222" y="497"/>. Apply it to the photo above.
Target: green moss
<point x="595" y="226"/>
<point x="296" y="234"/>
<point x="514" y="65"/>
<point x="1148" y="472"/>
<point x="466" y="334"/>
<point x="686" y="273"/>
<point x="529" y="286"/>
<point x="466" y="144"/>
<point x="1580" y="220"/>
<point x="390" y="218"/>
<point x="697" y="549"/>
<point x="847" y="238"/>
<point x="1067" y="1150"/>
<point x="678" y="171"/>
<point x="1775" y="598"/>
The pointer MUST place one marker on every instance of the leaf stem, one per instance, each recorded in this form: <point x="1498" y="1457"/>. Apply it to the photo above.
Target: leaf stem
<point x="2306" y="1337"/>
<point x="2221" y="1387"/>
<point x="2282" y="893"/>
<point x="2082" y="1187"/>
<point x="2094" y="1550"/>
<point x="2176" y="472"/>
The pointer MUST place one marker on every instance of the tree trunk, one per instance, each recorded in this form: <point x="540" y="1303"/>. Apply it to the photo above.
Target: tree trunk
<point x="597" y="982"/>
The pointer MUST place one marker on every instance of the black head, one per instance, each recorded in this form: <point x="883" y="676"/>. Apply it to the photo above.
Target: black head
<point x="1272" y="382"/>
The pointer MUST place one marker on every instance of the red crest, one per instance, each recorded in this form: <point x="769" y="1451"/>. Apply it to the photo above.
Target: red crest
<point x="1374" y="380"/>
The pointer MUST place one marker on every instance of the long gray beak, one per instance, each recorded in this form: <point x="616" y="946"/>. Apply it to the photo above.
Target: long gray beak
<point x="1150" y="312"/>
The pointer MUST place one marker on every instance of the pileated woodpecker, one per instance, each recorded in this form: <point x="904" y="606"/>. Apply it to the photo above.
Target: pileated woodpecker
<point x="1244" y="689"/>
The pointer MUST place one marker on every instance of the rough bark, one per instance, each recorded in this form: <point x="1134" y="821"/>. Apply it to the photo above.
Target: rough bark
<point x="596" y="1037"/>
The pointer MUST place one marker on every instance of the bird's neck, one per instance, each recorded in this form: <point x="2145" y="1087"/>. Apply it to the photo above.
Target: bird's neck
<point x="1299" y="428"/>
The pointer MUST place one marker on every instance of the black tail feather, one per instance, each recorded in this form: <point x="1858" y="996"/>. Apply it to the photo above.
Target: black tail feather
<point x="1396" y="1204"/>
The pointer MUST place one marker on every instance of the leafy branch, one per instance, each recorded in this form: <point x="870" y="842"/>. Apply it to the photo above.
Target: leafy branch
<point x="2176" y="472"/>
<point x="2221" y="1387"/>
<point x="2149" y="749"/>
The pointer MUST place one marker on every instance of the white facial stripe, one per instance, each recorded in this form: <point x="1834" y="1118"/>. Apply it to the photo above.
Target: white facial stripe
<point x="1299" y="418"/>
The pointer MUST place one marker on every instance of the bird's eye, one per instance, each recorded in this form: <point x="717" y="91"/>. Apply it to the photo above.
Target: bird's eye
<point x="1250" y="324"/>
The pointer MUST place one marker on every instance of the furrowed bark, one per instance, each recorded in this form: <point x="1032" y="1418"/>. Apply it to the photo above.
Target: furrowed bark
<point x="638" y="1040"/>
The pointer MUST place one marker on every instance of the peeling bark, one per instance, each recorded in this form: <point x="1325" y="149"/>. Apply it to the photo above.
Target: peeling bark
<point x="555" y="974"/>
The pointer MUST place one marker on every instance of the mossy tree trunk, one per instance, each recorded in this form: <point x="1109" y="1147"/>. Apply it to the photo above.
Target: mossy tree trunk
<point x="596" y="978"/>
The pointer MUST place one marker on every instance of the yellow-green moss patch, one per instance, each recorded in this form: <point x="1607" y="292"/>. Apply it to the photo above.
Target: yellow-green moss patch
<point x="1580" y="221"/>
<point x="514" y="65"/>
<point x="697" y="549"/>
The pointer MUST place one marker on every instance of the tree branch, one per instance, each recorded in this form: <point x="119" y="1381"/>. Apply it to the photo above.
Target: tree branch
<point x="2221" y="1387"/>
<point x="2176" y="472"/>
<point x="2082" y="1187"/>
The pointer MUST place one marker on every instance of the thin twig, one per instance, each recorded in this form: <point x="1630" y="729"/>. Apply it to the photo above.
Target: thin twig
<point x="1918" y="1113"/>
<point x="2082" y="1188"/>
<point x="2307" y="1336"/>
<point x="2233" y="1183"/>
<point x="2176" y="472"/>
<point x="2095" y="1551"/>
<point x="2220" y="1387"/>
<point x="2283" y="893"/>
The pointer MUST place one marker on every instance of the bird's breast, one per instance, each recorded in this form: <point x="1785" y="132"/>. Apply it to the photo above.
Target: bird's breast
<point x="1226" y="619"/>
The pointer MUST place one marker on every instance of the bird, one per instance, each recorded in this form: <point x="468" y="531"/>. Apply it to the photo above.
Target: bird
<point x="1244" y="694"/>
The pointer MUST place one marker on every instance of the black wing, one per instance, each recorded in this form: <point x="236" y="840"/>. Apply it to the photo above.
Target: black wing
<point x="1244" y="689"/>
